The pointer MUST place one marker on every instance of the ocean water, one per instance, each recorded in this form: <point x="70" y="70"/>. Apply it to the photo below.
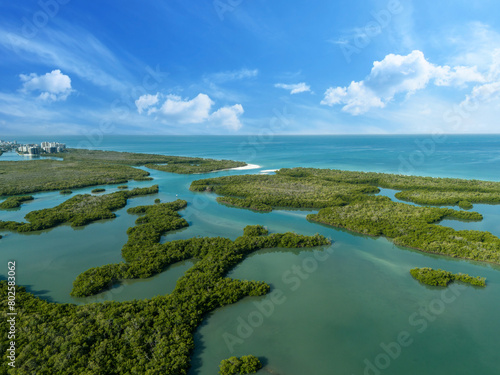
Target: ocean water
<point x="354" y="308"/>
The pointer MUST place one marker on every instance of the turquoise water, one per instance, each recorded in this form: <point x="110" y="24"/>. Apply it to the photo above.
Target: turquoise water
<point x="346" y="302"/>
<point x="461" y="156"/>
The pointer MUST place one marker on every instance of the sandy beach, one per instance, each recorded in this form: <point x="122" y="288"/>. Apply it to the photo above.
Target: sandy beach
<point x="248" y="166"/>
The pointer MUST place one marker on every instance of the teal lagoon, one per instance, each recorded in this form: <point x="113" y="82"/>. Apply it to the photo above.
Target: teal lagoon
<point x="340" y="309"/>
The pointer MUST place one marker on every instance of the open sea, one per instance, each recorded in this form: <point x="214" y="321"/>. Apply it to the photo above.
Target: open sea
<point x="354" y="310"/>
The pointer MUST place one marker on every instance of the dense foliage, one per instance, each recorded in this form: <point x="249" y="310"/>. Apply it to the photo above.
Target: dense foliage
<point x="173" y="164"/>
<point x="14" y="202"/>
<point x="78" y="210"/>
<point x="414" y="227"/>
<point x="83" y="168"/>
<point x="255" y="230"/>
<point x="247" y="364"/>
<point x="145" y="256"/>
<point x="317" y="188"/>
<point x="152" y="336"/>
<point x="263" y="192"/>
<point x="346" y="200"/>
<point x="439" y="277"/>
<point x="99" y="190"/>
<point x="22" y="177"/>
<point x="65" y="191"/>
<point x="181" y="165"/>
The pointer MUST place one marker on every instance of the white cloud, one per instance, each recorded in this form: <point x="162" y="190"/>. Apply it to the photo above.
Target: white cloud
<point x="458" y="76"/>
<point x="176" y="110"/>
<point x="53" y="86"/>
<point x="481" y="94"/>
<point x="192" y="111"/>
<point x="356" y="97"/>
<point x="494" y="71"/>
<point x="228" y="117"/>
<point x="294" y="88"/>
<point x="91" y="60"/>
<point x="145" y="102"/>
<point x="394" y="75"/>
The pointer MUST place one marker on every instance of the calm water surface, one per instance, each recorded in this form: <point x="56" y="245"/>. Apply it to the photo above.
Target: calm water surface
<point x="352" y="299"/>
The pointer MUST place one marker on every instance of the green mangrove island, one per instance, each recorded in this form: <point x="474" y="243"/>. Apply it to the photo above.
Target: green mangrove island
<point x="443" y="278"/>
<point x="82" y="168"/>
<point x="155" y="336"/>
<point x="151" y="336"/>
<point x="79" y="210"/>
<point x="15" y="202"/>
<point x="347" y="200"/>
<point x="247" y="364"/>
<point x="144" y="255"/>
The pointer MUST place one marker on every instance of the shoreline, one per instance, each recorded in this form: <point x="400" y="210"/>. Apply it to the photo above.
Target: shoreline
<point x="268" y="171"/>
<point x="244" y="168"/>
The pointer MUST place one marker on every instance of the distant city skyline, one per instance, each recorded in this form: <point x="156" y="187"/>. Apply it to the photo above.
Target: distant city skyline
<point x="249" y="67"/>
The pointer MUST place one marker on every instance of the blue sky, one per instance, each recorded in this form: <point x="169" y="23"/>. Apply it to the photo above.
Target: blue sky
<point x="249" y="67"/>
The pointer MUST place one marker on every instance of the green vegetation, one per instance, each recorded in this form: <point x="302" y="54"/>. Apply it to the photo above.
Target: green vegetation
<point x="100" y="190"/>
<point x="462" y="199"/>
<point x="122" y="187"/>
<point x="255" y="230"/>
<point x="157" y="201"/>
<point x="111" y="157"/>
<point x="172" y="164"/>
<point x="443" y="278"/>
<point x="465" y="205"/>
<point x="83" y="168"/>
<point x="346" y="201"/>
<point x="413" y="227"/>
<point x="14" y="202"/>
<point x="23" y="177"/>
<point x="314" y="188"/>
<point x="65" y="191"/>
<point x="152" y="336"/>
<point x="78" y="210"/>
<point x="195" y="165"/>
<point x="248" y="364"/>
<point x="288" y="188"/>
<point x="145" y="256"/>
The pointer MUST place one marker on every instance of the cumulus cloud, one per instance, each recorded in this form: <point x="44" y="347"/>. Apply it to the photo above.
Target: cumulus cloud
<point x="481" y="94"/>
<point x="457" y="76"/>
<point x="192" y="111"/>
<point x="294" y="88"/>
<point x="52" y="86"/>
<point x="145" y="102"/>
<point x="176" y="110"/>
<point x="394" y="75"/>
<point x="228" y="117"/>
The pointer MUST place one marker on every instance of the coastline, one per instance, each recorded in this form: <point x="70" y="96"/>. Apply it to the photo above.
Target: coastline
<point x="244" y="168"/>
<point x="268" y="171"/>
